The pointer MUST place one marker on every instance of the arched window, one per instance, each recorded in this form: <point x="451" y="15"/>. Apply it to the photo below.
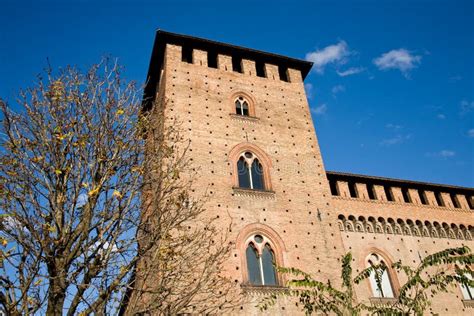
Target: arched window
<point x="260" y="261"/>
<point x="384" y="289"/>
<point x="250" y="172"/>
<point x="467" y="290"/>
<point x="250" y="168"/>
<point x="241" y="106"/>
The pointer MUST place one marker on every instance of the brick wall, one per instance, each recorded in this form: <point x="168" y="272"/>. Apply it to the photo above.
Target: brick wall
<point x="299" y="209"/>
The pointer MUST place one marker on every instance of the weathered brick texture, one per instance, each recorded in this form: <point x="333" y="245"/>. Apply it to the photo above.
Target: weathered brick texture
<point x="300" y="208"/>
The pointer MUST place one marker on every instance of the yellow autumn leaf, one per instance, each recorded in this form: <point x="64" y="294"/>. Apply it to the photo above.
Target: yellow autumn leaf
<point x="61" y="137"/>
<point x="136" y="169"/>
<point x="37" y="159"/>
<point x="4" y="242"/>
<point x="120" y="112"/>
<point x="117" y="194"/>
<point x="58" y="172"/>
<point x="85" y="185"/>
<point x="38" y="282"/>
<point x="93" y="192"/>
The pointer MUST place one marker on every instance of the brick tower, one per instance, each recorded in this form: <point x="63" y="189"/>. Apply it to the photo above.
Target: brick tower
<point x="257" y="155"/>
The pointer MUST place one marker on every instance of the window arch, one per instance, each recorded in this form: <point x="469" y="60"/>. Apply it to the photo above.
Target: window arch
<point x="250" y="172"/>
<point x="466" y="289"/>
<point x="251" y="167"/>
<point x="260" y="261"/>
<point x="243" y="104"/>
<point x="385" y="288"/>
<point x="261" y="250"/>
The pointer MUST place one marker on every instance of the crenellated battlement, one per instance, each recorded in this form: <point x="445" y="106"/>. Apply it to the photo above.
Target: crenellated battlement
<point x="253" y="145"/>
<point x="414" y="193"/>
<point x="220" y="56"/>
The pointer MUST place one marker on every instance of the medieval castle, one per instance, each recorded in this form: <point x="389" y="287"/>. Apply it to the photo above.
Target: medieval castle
<point x="248" y="119"/>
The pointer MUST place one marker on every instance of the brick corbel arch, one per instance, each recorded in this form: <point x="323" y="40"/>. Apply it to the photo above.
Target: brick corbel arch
<point x="250" y="100"/>
<point x="264" y="159"/>
<point x="277" y="245"/>
<point x="389" y="260"/>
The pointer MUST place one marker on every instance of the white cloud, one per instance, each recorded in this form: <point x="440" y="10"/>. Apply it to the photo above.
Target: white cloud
<point x="447" y="153"/>
<point x="350" y="71"/>
<point x="320" y="110"/>
<point x="81" y="200"/>
<point x="398" y="139"/>
<point x="455" y="78"/>
<point x="393" y="126"/>
<point x="470" y="132"/>
<point x="466" y="106"/>
<point x="442" y="154"/>
<point x="336" y="53"/>
<point x="441" y="116"/>
<point x="400" y="59"/>
<point x="362" y="121"/>
<point x="337" y="89"/>
<point x="309" y="90"/>
<point x="12" y="225"/>
<point x="102" y="248"/>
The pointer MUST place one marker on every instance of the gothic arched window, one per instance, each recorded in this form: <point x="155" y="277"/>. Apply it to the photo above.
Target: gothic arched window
<point x="260" y="261"/>
<point x="383" y="288"/>
<point x="467" y="290"/>
<point x="250" y="172"/>
<point x="241" y="106"/>
<point x="250" y="168"/>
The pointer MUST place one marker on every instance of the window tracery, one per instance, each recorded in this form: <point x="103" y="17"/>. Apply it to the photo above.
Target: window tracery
<point x="260" y="261"/>
<point x="241" y="106"/>
<point x="383" y="288"/>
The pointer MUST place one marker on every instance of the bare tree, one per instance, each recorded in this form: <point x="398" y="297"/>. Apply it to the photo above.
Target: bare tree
<point x="95" y="215"/>
<point x="181" y="271"/>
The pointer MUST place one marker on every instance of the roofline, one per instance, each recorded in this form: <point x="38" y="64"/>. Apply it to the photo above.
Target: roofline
<point x="162" y="38"/>
<point x="176" y="36"/>
<point x="398" y="182"/>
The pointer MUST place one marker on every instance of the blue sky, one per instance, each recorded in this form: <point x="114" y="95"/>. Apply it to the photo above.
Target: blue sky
<point x="392" y="91"/>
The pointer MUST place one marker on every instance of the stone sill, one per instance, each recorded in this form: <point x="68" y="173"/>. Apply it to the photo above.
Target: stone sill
<point x="383" y="300"/>
<point x="266" y="194"/>
<point x="468" y="303"/>
<point x="262" y="289"/>
<point x="244" y="118"/>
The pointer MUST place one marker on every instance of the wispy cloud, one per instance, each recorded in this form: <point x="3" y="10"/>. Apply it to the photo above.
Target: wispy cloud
<point x="350" y="71"/>
<point x="320" y="110"/>
<point x="445" y="154"/>
<point x="455" y="78"/>
<point x="466" y="106"/>
<point x="400" y="59"/>
<point x="332" y="54"/>
<point x="336" y="89"/>
<point x="308" y="87"/>
<point x="398" y="139"/>
<point x="441" y="116"/>
<point x="393" y="126"/>
<point x="470" y="133"/>
<point x="364" y="119"/>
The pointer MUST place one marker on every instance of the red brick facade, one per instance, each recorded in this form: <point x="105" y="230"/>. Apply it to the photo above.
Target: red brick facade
<point x="307" y="214"/>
